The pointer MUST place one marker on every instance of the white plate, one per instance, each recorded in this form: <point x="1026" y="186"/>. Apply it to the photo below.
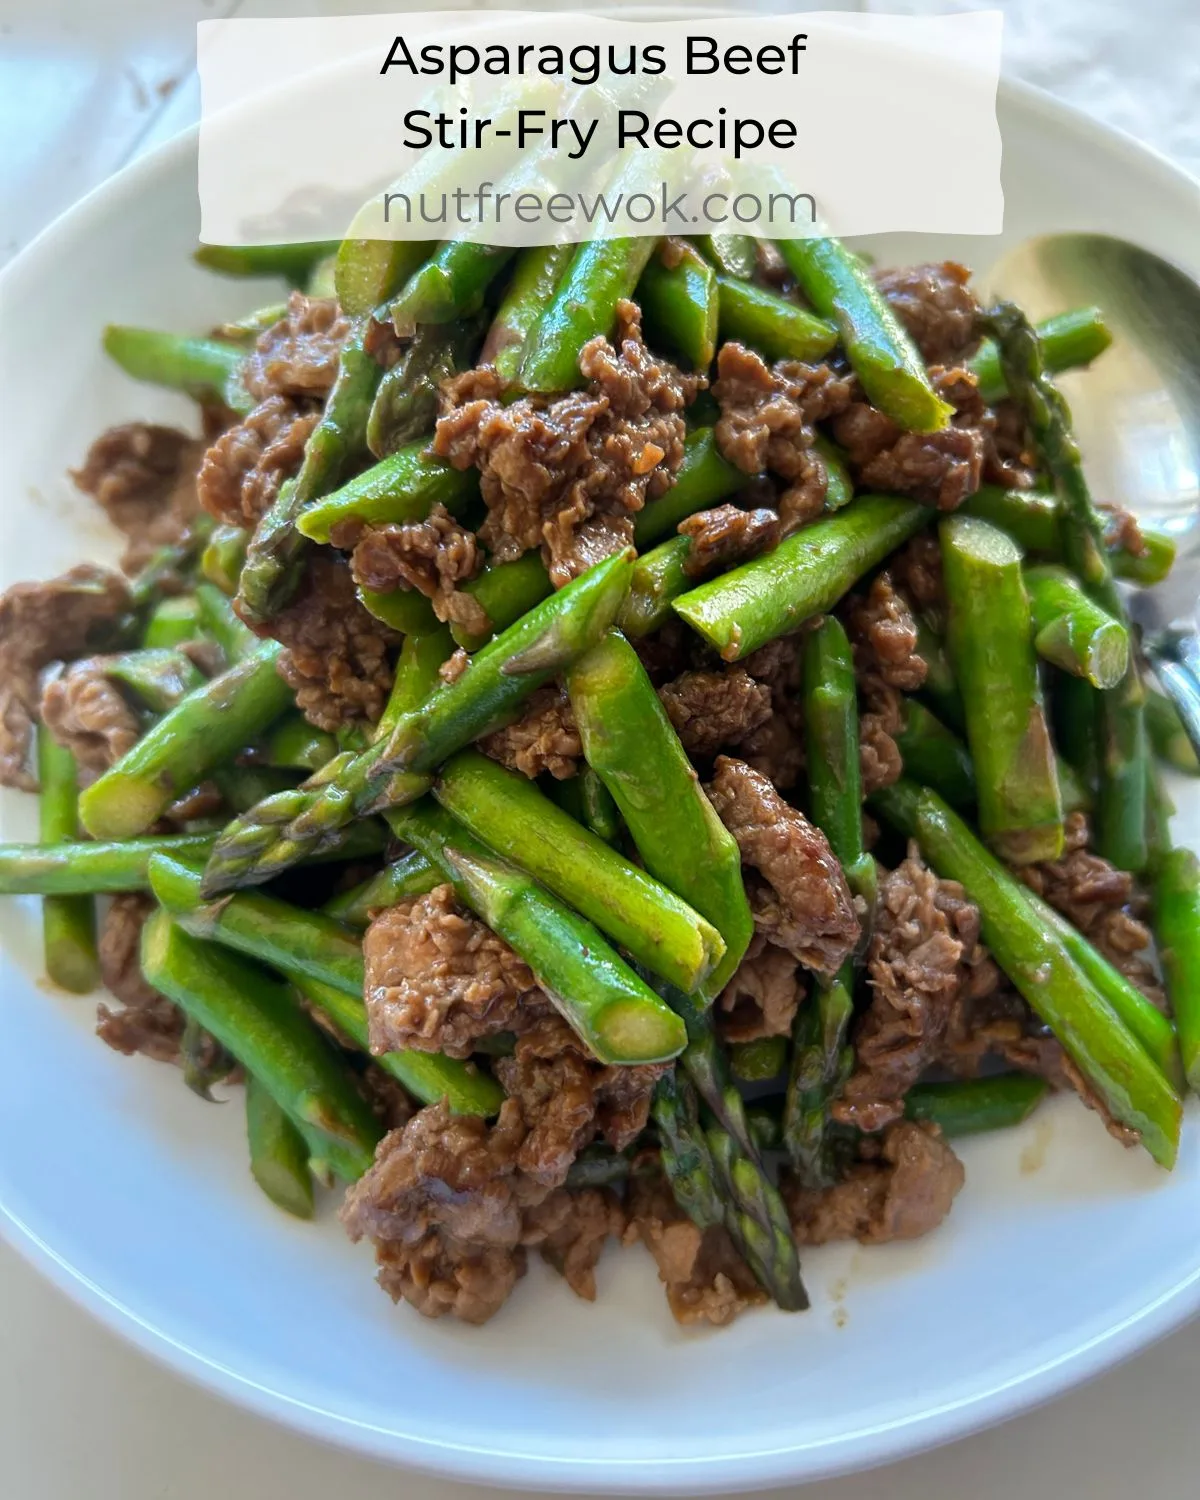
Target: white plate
<point x="1063" y="1254"/>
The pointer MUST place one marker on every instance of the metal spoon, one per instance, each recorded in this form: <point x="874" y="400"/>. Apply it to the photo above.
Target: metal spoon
<point x="1137" y="415"/>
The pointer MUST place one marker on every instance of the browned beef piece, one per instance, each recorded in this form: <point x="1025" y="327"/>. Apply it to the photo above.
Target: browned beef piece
<point x="766" y="422"/>
<point x="1000" y="465"/>
<point x="938" y="468"/>
<point x="925" y="957"/>
<point x="705" y="1278"/>
<point x="387" y="1097"/>
<point x="568" y="474"/>
<point x="901" y="1188"/>
<point x="336" y="659"/>
<point x="442" y="1205"/>
<point x="568" y="1098"/>
<point x="1102" y="901"/>
<point x="803" y="903"/>
<point x="715" y="710"/>
<point x="144" y="478"/>
<point x="727" y="535"/>
<point x="85" y="711"/>
<point x="432" y="556"/>
<point x="776" y="748"/>
<point x="884" y="635"/>
<point x="879" y="758"/>
<point x="763" y="996"/>
<point x="571" y="1230"/>
<point x="243" y="470"/>
<point x="667" y="652"/>
<point x="544" y="738"/>
<point x="40" y="623"/>
<point x="298" y="356"/>
<point x="935" y="303"/>
<point x="437" y="979"/>
<point x="147" y="1022"/>
<point x="917" y="572"/>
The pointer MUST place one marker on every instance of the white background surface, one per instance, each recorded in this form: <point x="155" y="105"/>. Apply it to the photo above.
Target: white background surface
<point x="84" y="85"/>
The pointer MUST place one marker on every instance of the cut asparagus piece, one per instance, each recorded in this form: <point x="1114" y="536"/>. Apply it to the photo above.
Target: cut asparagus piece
<point x="991" y="651"/>
<point x="615" y="1013"/>
<point x="511" y="816"/>
<point x="206" y="728"/>
<point x="278" y="1153"/>
<point x="68" y="922"/>
<point x="1072" y="632"/>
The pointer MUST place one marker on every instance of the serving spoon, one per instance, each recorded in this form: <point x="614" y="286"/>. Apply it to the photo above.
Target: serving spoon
<point x="1137" y="416"/>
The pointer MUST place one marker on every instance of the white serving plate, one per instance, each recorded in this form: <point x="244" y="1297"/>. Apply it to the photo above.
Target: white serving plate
<point x="1063" y="1255"/>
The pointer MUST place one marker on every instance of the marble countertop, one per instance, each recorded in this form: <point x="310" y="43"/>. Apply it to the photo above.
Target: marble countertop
<point x="85" y="87"/>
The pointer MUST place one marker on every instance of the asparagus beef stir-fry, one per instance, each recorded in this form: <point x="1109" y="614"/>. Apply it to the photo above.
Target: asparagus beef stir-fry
<point x="640" y="740"/>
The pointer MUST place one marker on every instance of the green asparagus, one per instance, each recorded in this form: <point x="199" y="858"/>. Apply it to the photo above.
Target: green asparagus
<point x="1177" y="924"/>
<point x="935" y="756"/>
<point x="1068" y="340"/>
<point x="804" y="576"/>
<point x="206" y="728"/>
<point x="991" y="650"/>
<point x="404" y="487"/>
<point x="68" y="922"/>
<point x="411" y="875"/>
<point x="614" y="1013"/>
<point x="1168" y="738"/>
<point x="451" y="284"/>
<point x="1072" y="632"/>
<point x="208" y="369"/>
<point x="974" y="1105"/>
<point x="171" y="622"/>
<point x="511" y="816"/>
<point x="293" y="262"/>
<point x="841" y="288"/>
<point x="535" y="277"/>
<point x="506" y="591"/>
<point x="278" y="1152"/>
<point x="628" y="740"/>
<point x="776" y="326"/>
<point x="704" y="479"/>
<point x="677" y="294"/>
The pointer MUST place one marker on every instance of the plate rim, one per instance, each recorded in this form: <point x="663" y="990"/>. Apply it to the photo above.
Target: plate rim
<point x="843" y="1453"/>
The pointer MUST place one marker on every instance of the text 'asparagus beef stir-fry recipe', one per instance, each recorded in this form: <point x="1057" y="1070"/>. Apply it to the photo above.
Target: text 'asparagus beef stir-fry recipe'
<point x="633" y="740"/>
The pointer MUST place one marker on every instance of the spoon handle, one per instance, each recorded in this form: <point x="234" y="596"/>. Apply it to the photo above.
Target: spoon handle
<point x="1182" y="685"/>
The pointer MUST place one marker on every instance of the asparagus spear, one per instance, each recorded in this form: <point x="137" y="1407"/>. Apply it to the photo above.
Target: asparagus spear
<point x="839" y="487"/>
<point x="1147" y="1023"/>
<point x="406" y="400"/>
<point x="501" y="676"/>
<point x="586" y="798"/>
<point x="686" y="1157"/>
<point x="404" y="487"/>
<point x="367" y="272"/>
<point x="293" y="262"/>
<point x="628" y="740"/>
<point x="760" y="1060"/>
<point x="428" y="1076"/>
<point x="208" y="369"/>
<point x="704" y="478"/>
<point x="1168" y="738"/>
<point x="509" y="814"/>
<point x="819" y="1063"/>
<point x="204" y="729"/>
<point x="275" y="554"/>
<point x="600" y="274"/>
<point x="659" y="578"/>
<point x="451" y="284"/>
<point x="278" y="1153"/>
<point x="506" y="591"/>
<point x="160" y="678"/>
<point x="678" y="298"/>
<point x="1121" y="808"/>
<point x="411" y="875"/>
<point x="776" y="326"/>
<point x="1177" y="924"/>
<point x="1020" y="804"/>
<point x="224" y="557"/>
<point x="1108" y="1055"/>
<point x="171" y="622"/>
<point x="613" y="1012"/>
<point x="940" y="686"/>
<point x="1068" y="340"/>
<point x="1034" y="521"/>
<point x="219" y="621"/>
<point x="536" y="275"/>
<point x="67" y="868"/>
<point x="404" y="610"/>
<point x="255" y="1018"/>
<point x="293" y="743"/>
<point x="68" y="922"/>
<point x="971" y="1106"/>
<point x="1072" y="631"/>
<point x="417" y="674"/>
<point x="731" y="254"/>
<point x="756" y="1216"/>
<point x="841" y="288"/>
<point x="167" y="564"/>
<point x="935" y="756"/>
<point x="804" y="576"/>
